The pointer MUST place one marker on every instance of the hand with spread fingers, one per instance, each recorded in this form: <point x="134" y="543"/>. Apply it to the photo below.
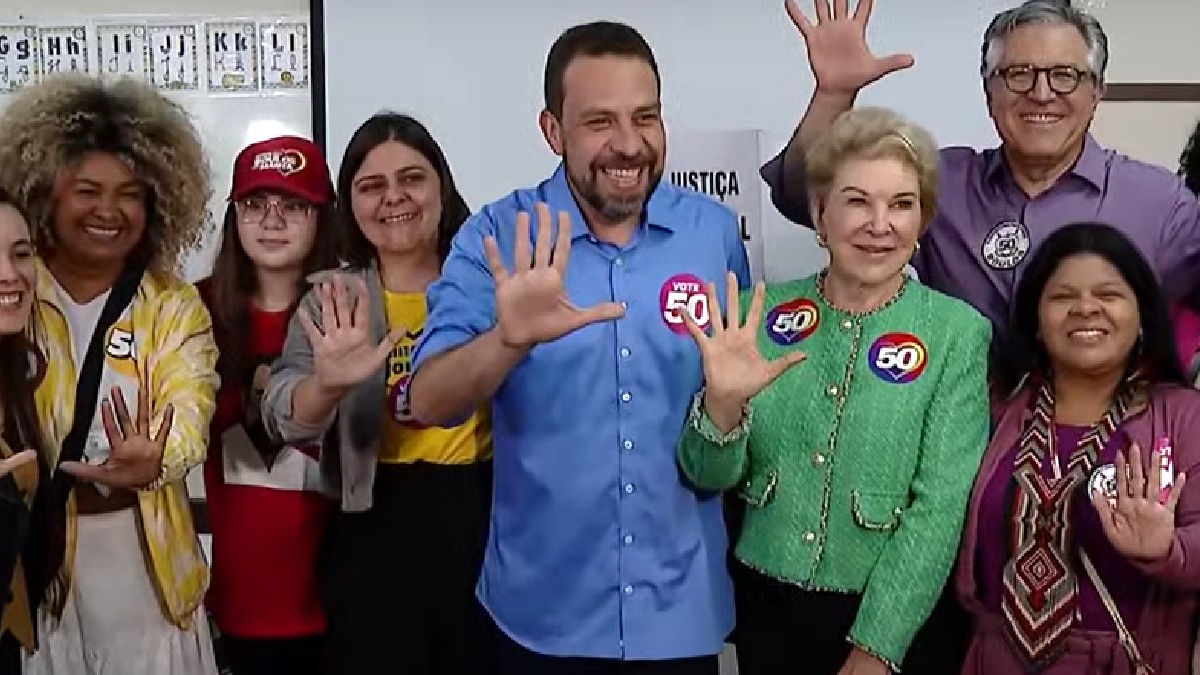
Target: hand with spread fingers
<point x="16" y="461"/>
<point x="734" y="369"/>
<point x="837" y="46"/>
<point x="343" y="352"/>
<point x="135" y="455"/>
<point x="531" y="304"/>
<point x="1138" y="521"/>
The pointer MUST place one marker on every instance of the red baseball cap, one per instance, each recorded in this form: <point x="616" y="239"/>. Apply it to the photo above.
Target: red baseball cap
<point x="287" y="164"/>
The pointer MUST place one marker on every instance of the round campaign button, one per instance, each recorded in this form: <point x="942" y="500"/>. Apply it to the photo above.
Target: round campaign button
<point x="897" y="358"/>
<point x="398" y="404"/>
<point x="792" y="321"/>
<point x="684" y="293"/>
<point x="1006" y="245"/>
<point x="1103" y="481"/>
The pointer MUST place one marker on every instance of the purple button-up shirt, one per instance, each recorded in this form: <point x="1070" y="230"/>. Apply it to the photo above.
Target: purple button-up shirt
<point x="985" y="226"/>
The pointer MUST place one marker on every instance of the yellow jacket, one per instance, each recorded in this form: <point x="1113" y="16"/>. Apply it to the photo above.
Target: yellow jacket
<point x="173" y="342"/>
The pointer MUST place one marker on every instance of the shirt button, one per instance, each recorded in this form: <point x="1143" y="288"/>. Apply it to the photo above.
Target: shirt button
<point x="626" y="396"/>
<point x="629" y="488"/>
<point x="629" y="590"/>
<point x="628" y="539"/>
<point x="847" y="324"/>
<point x="818" y="459"/>
<point x="627" y="444"/>
<point x="625" y="352"/>
<point x="809" y="537"/>
<point x="832" y="390"/>
<point x="619" y="262"/>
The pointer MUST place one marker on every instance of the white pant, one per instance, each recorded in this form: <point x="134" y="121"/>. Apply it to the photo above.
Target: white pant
<point x="113" y="623"/>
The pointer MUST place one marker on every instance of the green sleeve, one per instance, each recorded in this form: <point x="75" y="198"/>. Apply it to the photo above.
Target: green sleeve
<point x="915" y="564"/>
<point x="710" y="460"/>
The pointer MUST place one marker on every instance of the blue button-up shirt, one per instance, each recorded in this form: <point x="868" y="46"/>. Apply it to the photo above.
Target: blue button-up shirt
<point x="597" y="546"/>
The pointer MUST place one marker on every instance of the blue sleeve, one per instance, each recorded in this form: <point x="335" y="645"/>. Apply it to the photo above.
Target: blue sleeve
<point x="462" y="301"/>
<point x="789" y="191"/>
<point x="739" y="261"/>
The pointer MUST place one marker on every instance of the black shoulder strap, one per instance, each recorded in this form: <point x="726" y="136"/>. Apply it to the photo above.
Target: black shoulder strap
<point x="88" y="385"/>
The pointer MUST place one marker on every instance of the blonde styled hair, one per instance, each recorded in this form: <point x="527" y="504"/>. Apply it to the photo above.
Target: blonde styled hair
<point x="47" y="127"/>
<point x="874" y="133"/>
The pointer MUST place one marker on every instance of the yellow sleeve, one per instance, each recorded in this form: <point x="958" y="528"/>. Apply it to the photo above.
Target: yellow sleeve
<point x="182" y="366"/>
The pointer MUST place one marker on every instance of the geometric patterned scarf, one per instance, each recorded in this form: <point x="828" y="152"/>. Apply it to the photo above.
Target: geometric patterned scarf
<point x="1040" y="596"/>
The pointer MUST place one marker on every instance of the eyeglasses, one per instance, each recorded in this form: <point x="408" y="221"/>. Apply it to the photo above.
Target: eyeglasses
<point x="1062" y="80"/>
<point x="255" y="209"/>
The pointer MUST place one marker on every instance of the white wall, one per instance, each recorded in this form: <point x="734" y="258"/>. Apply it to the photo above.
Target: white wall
<point x="725" y="65"/>
<point x="1150" y="41"/>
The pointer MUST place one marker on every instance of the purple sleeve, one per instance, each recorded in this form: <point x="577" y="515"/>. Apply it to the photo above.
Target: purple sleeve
<point x="789" y="190"/>
<point x="1180" y="249"/>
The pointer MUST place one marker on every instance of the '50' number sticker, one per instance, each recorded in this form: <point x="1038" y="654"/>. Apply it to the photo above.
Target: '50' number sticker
<point x="684" y="293"/>
<point x="897" y="358"/>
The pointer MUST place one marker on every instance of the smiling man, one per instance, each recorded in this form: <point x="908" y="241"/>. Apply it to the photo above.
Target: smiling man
<point x="1042" y="65"/>
<point x="601" y="559"/>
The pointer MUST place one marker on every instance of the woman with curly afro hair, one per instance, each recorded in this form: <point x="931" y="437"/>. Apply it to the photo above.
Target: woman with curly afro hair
<point x="114" y="180"/>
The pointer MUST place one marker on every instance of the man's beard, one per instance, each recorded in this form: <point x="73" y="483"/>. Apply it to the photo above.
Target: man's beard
<point x="613" y="209"/>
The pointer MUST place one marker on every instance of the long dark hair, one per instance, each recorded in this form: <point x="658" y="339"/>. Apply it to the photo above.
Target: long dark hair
<point x="19" y="371"/>
<point x="233" y="281"/>
<point x="1155" y="357"/>
<point x="1189" y="161"/>
<point x="379" y="129"/>
<point x="22" y="367"/>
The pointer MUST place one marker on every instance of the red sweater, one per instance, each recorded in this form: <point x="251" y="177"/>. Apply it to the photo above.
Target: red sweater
<point x="268" y="521"/>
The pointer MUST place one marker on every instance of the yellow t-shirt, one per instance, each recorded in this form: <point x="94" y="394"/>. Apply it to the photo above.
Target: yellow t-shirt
<point x="404" y="440"/>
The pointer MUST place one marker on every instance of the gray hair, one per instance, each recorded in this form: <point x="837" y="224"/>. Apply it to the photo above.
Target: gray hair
<point x="1044" y="12"/>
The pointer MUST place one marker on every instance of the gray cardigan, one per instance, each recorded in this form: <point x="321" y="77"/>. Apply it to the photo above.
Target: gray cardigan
<point x="349" y="457"/>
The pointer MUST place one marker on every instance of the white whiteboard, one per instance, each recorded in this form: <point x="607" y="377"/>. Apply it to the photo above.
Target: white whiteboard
<point x="226" y="122"/>
<point x="473" y="74"/>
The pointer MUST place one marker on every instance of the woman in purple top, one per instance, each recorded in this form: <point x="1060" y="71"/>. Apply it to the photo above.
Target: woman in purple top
<point x="1090" y="531"/>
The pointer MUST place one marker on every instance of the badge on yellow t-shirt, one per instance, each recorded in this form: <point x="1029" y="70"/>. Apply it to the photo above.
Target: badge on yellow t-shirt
<point x="405" y="439"/>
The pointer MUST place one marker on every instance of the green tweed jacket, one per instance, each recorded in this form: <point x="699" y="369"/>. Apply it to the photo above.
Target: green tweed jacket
<point x="857" y="463"/>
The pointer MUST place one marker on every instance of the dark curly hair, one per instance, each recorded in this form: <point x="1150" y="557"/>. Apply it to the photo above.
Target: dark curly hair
<point x="47" y="127"/>
<point x="1189" y="161"/>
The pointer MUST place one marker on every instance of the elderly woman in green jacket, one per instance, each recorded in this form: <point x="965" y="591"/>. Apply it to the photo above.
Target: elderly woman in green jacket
<point x="851" y="416"/>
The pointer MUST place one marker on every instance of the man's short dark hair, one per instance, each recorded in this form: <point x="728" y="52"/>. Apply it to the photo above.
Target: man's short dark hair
<point x="599" y="38"/>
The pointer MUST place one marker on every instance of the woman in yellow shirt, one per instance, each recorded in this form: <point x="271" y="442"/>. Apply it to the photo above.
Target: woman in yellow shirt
<point x="406" y="548"/>
<point x="115" y="182"/>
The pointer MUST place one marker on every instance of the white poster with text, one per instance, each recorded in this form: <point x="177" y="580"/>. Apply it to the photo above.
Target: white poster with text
<point x="723" y="165"/>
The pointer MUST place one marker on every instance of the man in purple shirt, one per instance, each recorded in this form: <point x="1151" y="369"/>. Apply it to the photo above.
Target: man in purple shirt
<point x="1042" y="65"/>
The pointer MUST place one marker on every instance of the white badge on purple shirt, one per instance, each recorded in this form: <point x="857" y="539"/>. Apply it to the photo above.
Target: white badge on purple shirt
<point x="1006" y="245"/>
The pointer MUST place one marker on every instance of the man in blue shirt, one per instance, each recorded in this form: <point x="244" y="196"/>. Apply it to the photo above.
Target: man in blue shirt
<point x="600" y="558"/>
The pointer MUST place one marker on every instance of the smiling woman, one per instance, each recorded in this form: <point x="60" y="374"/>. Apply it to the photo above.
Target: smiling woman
<point x="114" y="179"/>
<point x="1086" y="473"/>
<point x="891" y="398"/>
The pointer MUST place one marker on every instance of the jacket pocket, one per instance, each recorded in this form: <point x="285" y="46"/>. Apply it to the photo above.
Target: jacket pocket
<point x="759" y="486"/>
<point x="877" y="511"/>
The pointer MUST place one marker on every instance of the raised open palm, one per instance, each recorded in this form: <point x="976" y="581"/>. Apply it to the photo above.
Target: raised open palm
<point x="343" y="352"/>
<point x="734" y="370"/>
<point x="531" y="304"/>
<point x="837" y="46"/>
<point x="1139" y="521"/>
<point x="135" y="450"/>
